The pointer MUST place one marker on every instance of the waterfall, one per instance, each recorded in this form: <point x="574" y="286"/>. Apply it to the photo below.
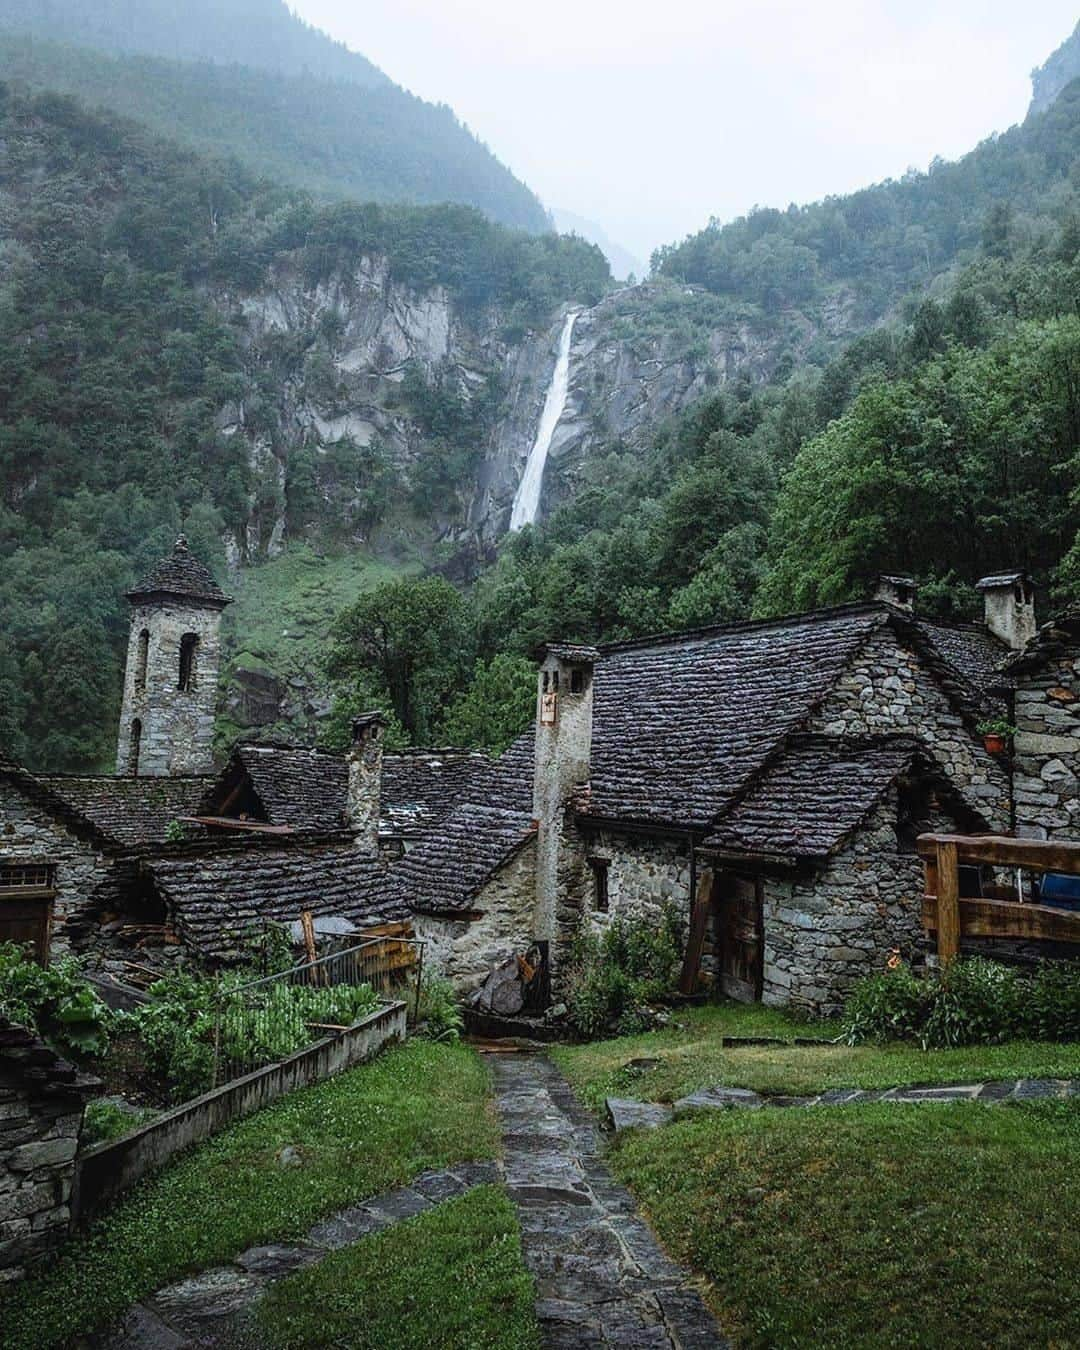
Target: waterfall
<point x="527" y="497"/>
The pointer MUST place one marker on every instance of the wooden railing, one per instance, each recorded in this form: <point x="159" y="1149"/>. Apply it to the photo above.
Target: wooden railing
<point x="953" y="916"/>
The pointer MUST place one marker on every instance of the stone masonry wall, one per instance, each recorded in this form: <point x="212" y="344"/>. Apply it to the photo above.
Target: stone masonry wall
<point x="827" y="930"/>
<point x="465" y="951"/>
<point x="29" y="833"/>
<point x="1046" y="748"/>
<point x="39" y="1137"/>
<point x="177" y="724"/>
<point x="886" y="689"/>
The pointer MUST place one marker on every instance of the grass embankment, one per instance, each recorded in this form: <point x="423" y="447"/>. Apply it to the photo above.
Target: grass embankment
<point x="452" y="1278"/>
<point x="417" y="1106"/>
<point x="691" y="1056"/>
<point x="873" y="1226"/>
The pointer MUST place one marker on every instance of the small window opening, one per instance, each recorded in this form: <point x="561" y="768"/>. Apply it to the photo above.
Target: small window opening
<point x="28" y="879"/>
<point x="577" y="681"/>
<point x="546" y="682"/>
<point x="134" y="745"/>
<point x="189" y="647"/>
<point x="142" y="659"/>
<point x="555" y="681"/>
<point x="600" y="867"/>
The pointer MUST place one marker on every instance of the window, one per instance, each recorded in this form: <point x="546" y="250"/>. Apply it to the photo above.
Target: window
<point x="577" y="681"/>
<point x="600" y="867"/>
<point x="141" y="659"/>
<point x="27" y="889"/>
<point x="27" y="878"/>
<point x="134" y="745"/>
<point x="189" y="649"/>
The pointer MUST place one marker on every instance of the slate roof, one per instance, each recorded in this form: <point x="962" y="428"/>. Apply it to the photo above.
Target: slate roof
<point x="129" y="811"/>
<point x="681" y="724"/>
<point x="297" y="785"/>
<point x="444" y="871"/>
<point x="181" y="574"/>
<point x="970" y="649"/>
<point x="420" y="787"/>
<point x="1055" y="641"/>
<point x="26" y="1058"/>
<point x="217" y="895"/>
<point x="817" y="792"/>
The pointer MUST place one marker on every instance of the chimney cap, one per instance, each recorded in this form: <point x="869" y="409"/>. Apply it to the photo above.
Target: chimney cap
<point x="894" y="579"/>
<point x="366" y="721"/>
<point x="572" y="652"/>
<point x="999" y="580"/>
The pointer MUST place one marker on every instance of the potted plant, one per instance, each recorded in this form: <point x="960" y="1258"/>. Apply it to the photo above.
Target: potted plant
<point x="995" y="734"/>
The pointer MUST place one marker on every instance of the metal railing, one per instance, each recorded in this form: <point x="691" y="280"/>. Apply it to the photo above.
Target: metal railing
<point x="263" y="1021"/>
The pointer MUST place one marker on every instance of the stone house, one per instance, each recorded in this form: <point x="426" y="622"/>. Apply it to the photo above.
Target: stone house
<point x="778" y="772"/>
<point x="42" y="1098"/>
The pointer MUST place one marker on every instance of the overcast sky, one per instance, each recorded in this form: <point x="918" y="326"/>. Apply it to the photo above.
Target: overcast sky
<point x="650" y="117"/>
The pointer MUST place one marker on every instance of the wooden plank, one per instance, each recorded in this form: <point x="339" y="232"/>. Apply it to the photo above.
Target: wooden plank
<point x="307" y="925"/>
<point x="948" y="903"/>
<point x="1008" y="919"/>
<point x="1041" y="855"/>
<point x="695" y="943"/>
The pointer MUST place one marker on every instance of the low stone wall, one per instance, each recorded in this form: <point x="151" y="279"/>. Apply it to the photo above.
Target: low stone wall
<point x="106" y="1170"/>
<point x="1046" y="767"/>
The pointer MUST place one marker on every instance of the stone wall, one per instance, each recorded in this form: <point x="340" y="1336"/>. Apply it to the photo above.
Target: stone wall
<point x="886" y="689"/>
<point x="39" y="1138"/>
<point x="177" y="724"/>
<point x="465" y="951"/>
<point x="828" y="929"/>
<point x="1046" y="750"/>
<point x="27" y="832"/>
<point x="644" y="874"/>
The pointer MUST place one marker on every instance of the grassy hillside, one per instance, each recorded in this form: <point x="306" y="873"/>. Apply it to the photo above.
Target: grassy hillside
<point x="308" y="124"/>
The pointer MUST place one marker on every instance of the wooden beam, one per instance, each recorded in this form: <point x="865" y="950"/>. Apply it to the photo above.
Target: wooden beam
<point x="1008" y="919"/>
<point x="948" y="902"/>
<point x="1040" y="855"/>
<point x="695" y="943"/>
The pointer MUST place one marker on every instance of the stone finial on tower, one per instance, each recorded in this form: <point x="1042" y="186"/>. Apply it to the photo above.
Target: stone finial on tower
<point x="365" y="780"/>
<point x="1009" y="603"/>
<point x="564" y="710"/>
<point x="170" y="681"/>
<point x="898" y="591"/>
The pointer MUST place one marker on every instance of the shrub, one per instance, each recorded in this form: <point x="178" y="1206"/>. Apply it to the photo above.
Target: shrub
<point x="56" y="1001"/>
<point x="1053" y="1001"/>
<point x="439" y="1013"/>
<point x="885" y="1007"/>
<point x="616" y="974"/>
<point x="974" y="1002"/>
<point x="105" y="1120"/>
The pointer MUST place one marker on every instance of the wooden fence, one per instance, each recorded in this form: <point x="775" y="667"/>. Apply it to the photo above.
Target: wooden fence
<point x="953" y="916"/>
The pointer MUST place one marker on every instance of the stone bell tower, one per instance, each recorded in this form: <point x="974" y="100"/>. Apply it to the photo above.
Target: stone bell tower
<point x="170" y="682"/>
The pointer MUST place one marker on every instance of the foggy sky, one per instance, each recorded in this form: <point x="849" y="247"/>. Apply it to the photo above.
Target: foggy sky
<point x="649" y="118"/>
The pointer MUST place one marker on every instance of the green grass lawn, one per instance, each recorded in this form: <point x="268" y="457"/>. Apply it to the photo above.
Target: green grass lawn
<point x="873" y="1226"/>
<point x="417" y="1106"/>
<point x="692" y="1057"/>
<point x="452" y="1278"/>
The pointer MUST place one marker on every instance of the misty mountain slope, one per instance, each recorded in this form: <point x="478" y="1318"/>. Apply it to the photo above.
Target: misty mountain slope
<point x="1056" y="74"/>
<point x="329" y="134"/>
<point x="262" y="33"/>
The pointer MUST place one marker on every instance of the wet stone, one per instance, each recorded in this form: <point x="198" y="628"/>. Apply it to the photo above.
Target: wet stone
<point x="1032" y="1089"/>
<point x="404" y="1203"/>
<point x="997" y="1092"/>
<point x="719" y="1098"/>
<point x="439" y="1186"/>
<point x="143" y="1329"/>
<point x="274" y="1261"/>
<point x="625" y="1114"/>
<point x="214" y="1295"/>
<point x="342" y="1230"/>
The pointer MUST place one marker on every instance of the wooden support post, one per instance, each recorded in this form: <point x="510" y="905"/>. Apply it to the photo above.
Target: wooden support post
<point x="948" y="903"/>
<point x="699" y="922"/>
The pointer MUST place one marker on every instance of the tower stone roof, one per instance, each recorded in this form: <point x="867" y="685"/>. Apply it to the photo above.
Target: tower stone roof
<point x="182" y="575"/>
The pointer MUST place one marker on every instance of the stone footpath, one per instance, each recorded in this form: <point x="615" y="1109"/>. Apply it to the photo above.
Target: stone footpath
<point x="627" y="1114"/>
<point x="208" y="1309"/>
<point x="601" y="1277"/>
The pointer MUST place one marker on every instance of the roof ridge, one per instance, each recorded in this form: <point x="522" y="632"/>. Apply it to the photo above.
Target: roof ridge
<point x="747" y="625"/>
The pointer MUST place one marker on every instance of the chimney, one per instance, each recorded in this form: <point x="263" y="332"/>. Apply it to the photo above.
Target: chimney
<point x="365" y="780"/>
<point x="1009" y="600"/>
<point x="898" y="591"/>
<point x="564" y="711"/>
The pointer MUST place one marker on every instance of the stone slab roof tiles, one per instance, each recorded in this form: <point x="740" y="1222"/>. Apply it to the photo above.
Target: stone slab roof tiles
<point x="129" y="811"/>
<point x="446" y="870"/>
<point x="681" y="725"/>
<point x="420" y="787"/>
<point x="182" y="575"/>
<point x="971" y="650"/>
<point x="816" y="793"/>
<point x="26" y="1058"/>
<point x="297" y="785"/>
<point x="217" y="896"/>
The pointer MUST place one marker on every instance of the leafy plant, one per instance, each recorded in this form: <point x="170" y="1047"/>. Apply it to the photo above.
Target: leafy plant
<point x="996" y="726"/>
<point x="615" y="975"/>
<point x="885" y="1007"/>
<point x="439" y="1011"/>
<point x="55" y="1001"/>
<point x="105" y="1120"/>
<point x="1052" y="1001"/>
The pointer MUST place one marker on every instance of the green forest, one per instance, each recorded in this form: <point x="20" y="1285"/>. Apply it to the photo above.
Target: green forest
<point x="289" y="102"/>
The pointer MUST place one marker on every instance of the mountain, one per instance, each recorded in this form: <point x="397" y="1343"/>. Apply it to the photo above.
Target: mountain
<point x="301" y="109"/>
<point x="264" y="34"/>
<point x="623" y="263"/>
<point x="1050" y="79"/>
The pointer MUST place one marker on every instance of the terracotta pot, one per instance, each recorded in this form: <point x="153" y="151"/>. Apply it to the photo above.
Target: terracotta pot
<point x="995" y="743"/>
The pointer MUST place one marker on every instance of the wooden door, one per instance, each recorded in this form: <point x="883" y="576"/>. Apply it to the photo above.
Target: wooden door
<point x="27" y="919"/>
<point x="742" y="944"/>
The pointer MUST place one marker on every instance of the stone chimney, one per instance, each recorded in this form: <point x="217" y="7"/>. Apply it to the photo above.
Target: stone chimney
<point x="564" y="711"/>
<point x="898" y="591"/>
<point x="1009" y="600"/>
<point x="365" y="780"/>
